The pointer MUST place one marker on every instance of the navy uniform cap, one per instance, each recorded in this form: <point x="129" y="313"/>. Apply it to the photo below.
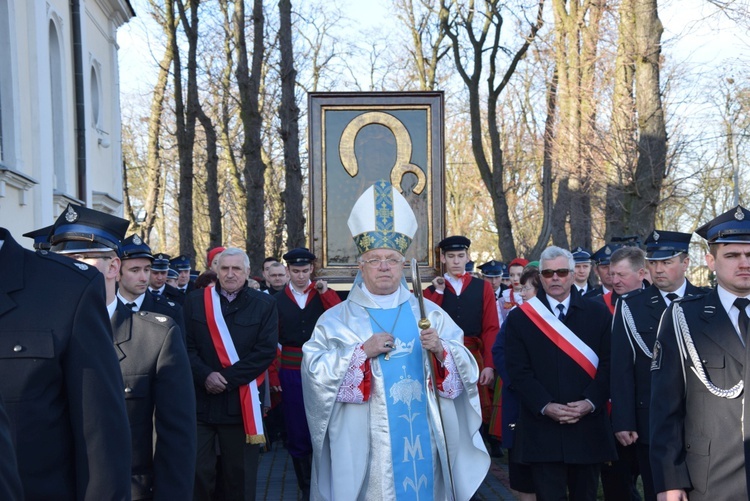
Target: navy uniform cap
<point x="134" y="247"/>
<point x="662" y="245"/>
<point x="172" y="273"/>
<point x="732" y="227"/>
<point x="454" y="243"/>
<point x="41" y="237"/>
<point x="492" y="269"/>
<point x="161" y="262"/>
<point x="581" y="255"/>
<point x="628" y="241"/>
<point x="299" y="256"/>
<point x="80" y="229"/>
<point x="180" y="263"/>
<point x="506" y="272"/>
<point x="603" y="255"/>
<point x="469" y="268"/>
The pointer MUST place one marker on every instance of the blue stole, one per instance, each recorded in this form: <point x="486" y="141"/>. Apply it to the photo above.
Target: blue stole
<point x="404" y="384"/>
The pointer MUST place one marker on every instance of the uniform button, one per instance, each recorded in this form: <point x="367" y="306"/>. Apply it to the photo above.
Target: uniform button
<point x="17" y="348"/>
<point x="128" y="389"/>
<point x="687" y="446"/>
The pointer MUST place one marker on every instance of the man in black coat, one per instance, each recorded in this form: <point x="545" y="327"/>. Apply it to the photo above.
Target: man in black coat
<point x="59" y="377"/>
<point x="699" y="412"/>
<point x="156" y="372"/>
<point x="133" y="282"/>
<point x="158" y="280"/>
<point x="557" y="356"/>
<point x="229" y="344"/>
<point x="633" y="336"/>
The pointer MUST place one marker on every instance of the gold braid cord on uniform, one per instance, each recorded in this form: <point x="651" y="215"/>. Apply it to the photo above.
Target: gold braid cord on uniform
<point x="630" y="328"/>
<point x="687" y="349"/>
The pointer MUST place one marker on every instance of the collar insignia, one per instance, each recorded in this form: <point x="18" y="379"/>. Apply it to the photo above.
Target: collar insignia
<point x="81" y="266"/>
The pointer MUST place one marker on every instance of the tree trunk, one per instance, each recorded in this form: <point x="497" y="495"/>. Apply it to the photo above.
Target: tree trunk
<point x="289" y="131"/>
<point x="249" y="89"/>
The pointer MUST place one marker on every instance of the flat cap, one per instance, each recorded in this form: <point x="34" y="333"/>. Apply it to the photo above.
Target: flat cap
<point x="454" y="243"/>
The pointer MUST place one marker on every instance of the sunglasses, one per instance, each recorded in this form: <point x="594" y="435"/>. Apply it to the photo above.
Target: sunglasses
<point x="562" y="273"/>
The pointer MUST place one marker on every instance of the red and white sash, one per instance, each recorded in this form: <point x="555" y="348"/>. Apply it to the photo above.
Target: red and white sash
<point x="252" y="415"/>
<point x="561" y="335"/>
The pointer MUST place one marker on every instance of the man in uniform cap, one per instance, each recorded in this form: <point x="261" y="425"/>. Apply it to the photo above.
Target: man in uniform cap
<point x="582" y="257"/>
<point x="699" y="412"/>
<point x="300" y="305"/>
<point x="471" y="303"/>
<point x="59" y="377"/>
<point x="181" y="264"/>
<point x="601" y="267"/>
<point x="377" y="428"/>
<point x="633" y="336"/>
<point x="133" y="282"/>
<point x="155" y="369"/>
<point x="158" y="280"/>
<point x="492" y="271"/>
<point x="172" y="277"/>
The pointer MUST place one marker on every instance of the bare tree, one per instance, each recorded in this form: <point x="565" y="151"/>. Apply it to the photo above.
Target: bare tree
<point x="481" y="29"/>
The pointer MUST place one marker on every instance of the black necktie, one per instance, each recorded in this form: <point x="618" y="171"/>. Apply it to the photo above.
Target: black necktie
<point x="131" y="306"/>
<point x="155" y="291"/>
<point x="741" y="304"/>
<point x="672" y="296"/>
<point x="561" y="315"/>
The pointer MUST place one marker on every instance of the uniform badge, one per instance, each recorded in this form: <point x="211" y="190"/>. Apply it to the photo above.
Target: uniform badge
<point x="81" y="266"/>
<point x="170" y="303"/>
<point x="739" y="215"/>
<point x="161" y="319"/>
<point x="607" y="250"/>
<point x="71" y="215"/>
<point x="656" y="359"/>
<point x="656" y="236"/>
<point x="137" y="240"/>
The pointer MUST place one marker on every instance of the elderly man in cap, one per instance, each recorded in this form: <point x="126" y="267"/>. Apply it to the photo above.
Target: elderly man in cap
<point x="557" y="356"/>
<point x="158" y="280"/>
<point x="155" y="369"/>
<point x="582" y="257"/>
<point x="133" y="282"/>
<point x="300" y="305"/>
<point x="634" y="330"/>
<point x="59" y="377"/>
<point x="699" y="413"/>
<point x="232" y="332"/>
<point x="381" y="426"/>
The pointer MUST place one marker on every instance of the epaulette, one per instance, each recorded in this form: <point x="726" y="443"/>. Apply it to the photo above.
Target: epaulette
<point x="156" y="318"/>
<point x="69" y="263"/>
<point x="163" y="300"/>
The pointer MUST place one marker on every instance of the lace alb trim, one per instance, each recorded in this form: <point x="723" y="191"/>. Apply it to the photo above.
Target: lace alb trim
<point x="451" y="386"/>
<point x="350" y="391"/>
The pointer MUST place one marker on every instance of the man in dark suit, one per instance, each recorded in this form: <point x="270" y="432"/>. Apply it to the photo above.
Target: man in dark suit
<point x="133" y="282"/>
<point x="633" y="336"/>
<point x="557" y="356"/>
<point x="156" y="372"/>
<point x="230" y="344"/>
<point x="181" y="264"/>
<point x="601" y="267"/>
<point x="699" y="413"/>
<point x="582" y="258"/>
<point x="158" y="280"/>
<point x="59" y="377"/>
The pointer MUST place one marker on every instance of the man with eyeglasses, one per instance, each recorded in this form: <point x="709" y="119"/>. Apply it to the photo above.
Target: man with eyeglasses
<point x="156" y="378"/>
<point x="557" y="356"/>
<point x="393" y="410"/>
<point x="59" y="377"/>
<point x="634" y="333"/>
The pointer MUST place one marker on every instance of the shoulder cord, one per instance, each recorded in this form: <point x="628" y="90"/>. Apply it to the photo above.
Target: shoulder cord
<point x="687" y="349"/>
<point x="633" y="331"/>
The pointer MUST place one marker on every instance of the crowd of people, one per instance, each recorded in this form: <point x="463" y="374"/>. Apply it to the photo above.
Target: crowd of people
<point x="125" y="378"/>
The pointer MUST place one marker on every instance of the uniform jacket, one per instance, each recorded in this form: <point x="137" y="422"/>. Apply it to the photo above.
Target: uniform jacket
<point x="160" y="402"/>
<point x="697" y="437"/>
<point x="10" y="483"/>
<point x="59" y="378"/>
<point x="164" y="305"/>
<point x="253" y="323"/>
<point x="173" y="294"/>
<point x="631" y="368"/>
<point x="541" y="373"/>
<point x="511" y="404"/>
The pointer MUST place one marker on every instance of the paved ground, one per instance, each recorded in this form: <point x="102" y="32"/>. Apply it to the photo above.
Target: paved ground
<point x="276" y="480"/>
